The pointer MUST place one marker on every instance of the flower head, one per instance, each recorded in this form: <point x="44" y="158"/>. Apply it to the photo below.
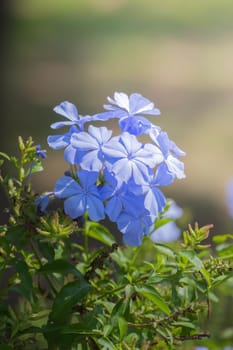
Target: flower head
<point x="171" y="153"/>
<point x="70" y="112"/>
<point x="91" y="144"/>
<point x="128" y="158"/>
<point x="129" y="110"/>
<point x="80" y="196"/>
<point x="117" y="176"/>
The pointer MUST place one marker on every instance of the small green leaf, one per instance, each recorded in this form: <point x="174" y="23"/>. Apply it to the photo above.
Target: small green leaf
<point x="165" y="250"/>
<point x="123" y="326"/>
<point x="4" y="155"/>
<point x="121" y="308"/>
<point x="150" y="293"/>
<point x="70" y="295"/>
<point x="100" y="233"/>
<point x="222" y="238"/>
<point x="105" y="344"/>
<point x="60" y="266"/>
<point x="79" y="328"/>
<point x="195" y="261"/>
<point x="25" y="286"/>
<point x="37" y="168"/>
<point x="185" y="324"/>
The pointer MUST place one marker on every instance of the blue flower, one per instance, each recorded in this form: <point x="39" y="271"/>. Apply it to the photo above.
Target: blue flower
<point x="170" y="151"/>
<point x="61" y="141"/>
<point x="134" y="223"/>
<point x="40" y="153"/>
<point x="70" y="112"/>
<point x="57" y="142"/>
<point x="129" y="111"/>
<point x="81" y="196"/>
<point x="126" y="157"/>
<point x="90" y="143"/>
<point x="42" y="201"/>
<point x="155" y="200"/>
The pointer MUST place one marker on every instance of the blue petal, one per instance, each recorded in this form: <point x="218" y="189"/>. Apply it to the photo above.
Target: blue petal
<point x="75" y="206"/>
<point x="113" y="208"/>
<point x="133" y="238"/>
<point x="59" y="125"/>
<point x="95" y="208"/>
<point x="140" y="104"/>
<point x="175" y="166"/>
<point x="87" y="178"/>
<point x="92" y="161"/>
<point x="155" y="201"/>
<point x="66" y="187"/>
<point x="57" y="141"/>
<point x="72" y="155"/>
<point x="68" y="110"/>
<point x="162" y="177"/>
<point x="134" y="125"/>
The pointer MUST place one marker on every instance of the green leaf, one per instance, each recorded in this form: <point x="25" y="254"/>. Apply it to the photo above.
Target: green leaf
<point x="196" y="262"/>
<point x="121" y="308"/>
<point x="165" y="250"/>
<point x="105" y="344"/>
<point x="16" y="234"/>
<point x="37" y="168"/>
<point x="70" y="295"/>
<point x="79" y="328"/>
<point x="25" y="287"/>
<point x="60" y="266"/>
<point x="222" y="238"/>
<point x="123" y="327"/>
<point x="150" y="293"/>
<point x="4" y="155"/>
<point x="185" y="324"/>
<point x="100" y="233"/>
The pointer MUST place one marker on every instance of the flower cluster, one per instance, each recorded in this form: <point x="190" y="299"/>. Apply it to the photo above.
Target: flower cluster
<point x="117" y="176"/>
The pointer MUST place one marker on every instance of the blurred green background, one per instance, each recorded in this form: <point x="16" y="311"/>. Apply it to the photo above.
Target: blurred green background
<point x="178" y="54"/>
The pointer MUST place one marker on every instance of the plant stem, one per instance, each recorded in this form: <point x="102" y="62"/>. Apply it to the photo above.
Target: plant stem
<point x="35" y="251"/>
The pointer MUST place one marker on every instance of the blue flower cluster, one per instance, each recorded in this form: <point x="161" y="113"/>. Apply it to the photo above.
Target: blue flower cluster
<point x="117" y="176"/>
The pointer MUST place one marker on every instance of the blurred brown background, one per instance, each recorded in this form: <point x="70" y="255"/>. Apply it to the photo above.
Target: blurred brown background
<point x="177" y="53"/>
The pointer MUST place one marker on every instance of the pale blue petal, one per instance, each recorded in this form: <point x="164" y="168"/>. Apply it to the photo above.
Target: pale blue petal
<point x="175" y="166"/>
<point x="130" y="143"/>
<point x="162" y="177"/>
<point x="139" y="104"/>
<point x="68" y="110"/>
<point x="59" y="125"/>
<point x="155" y="201"/>
<point x="101" y="134"/>
<point x="92" y="161"/>
<point x="84" y="141"/>
<point x="73" y="155"/>
<point x="57" y="141"/>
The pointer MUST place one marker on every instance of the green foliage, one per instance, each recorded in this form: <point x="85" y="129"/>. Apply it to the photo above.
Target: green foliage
<point x="59" y="291"/>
